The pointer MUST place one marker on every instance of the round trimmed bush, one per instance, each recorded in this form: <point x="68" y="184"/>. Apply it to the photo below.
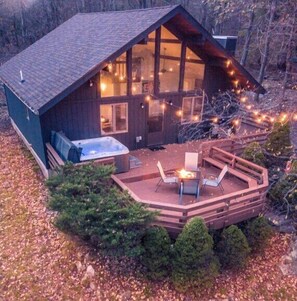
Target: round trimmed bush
<point x="257" y="232"/>
<point x="194" y="263"/>
<point x="156" y="257"/>
<point x="233" y="249"/>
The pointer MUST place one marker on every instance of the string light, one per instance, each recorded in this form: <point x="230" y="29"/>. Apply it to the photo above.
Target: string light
<point x="228" y="63"/>
<point x="232" y="72"/>
<point x="243" y="99"/>
<point x="215" y="120"/>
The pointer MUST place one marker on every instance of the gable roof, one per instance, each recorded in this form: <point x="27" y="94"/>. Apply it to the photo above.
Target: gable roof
<point x="58" y="63"/>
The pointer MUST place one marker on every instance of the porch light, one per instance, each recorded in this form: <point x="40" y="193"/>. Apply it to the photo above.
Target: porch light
<point x="142" y="105"/>
<point x="170" y="103"/>
<point x="103" y="87"/>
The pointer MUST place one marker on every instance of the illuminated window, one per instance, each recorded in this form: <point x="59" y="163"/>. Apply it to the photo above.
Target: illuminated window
<point x="143" y="65"/>
<point x="113" y="78"/>
<point x="114" y="118"/>
<point x="192" y="109"/>
<point x="170" y="53"/>
<point x="194" y="71"/>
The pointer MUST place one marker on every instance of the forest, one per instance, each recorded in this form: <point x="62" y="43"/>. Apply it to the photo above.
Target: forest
<point x="266" y="29"/>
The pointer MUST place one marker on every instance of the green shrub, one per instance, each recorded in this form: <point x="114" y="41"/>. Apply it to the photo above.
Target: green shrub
<point x="233" y="249"/>
<point x="156" y="257"/>
<point x="194" y="263"/>
<point x="279" y="142"/>
<point x="254" y="153"/>
<point x="92" y="207"/>
<point x="283" y="195"/>
<point x="257" y="232"/>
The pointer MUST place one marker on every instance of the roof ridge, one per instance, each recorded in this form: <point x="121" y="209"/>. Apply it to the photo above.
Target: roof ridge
<point x="130" y="10"/>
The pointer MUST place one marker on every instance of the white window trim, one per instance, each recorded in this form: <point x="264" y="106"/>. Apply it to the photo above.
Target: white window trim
<point x="192" y="108"/>
<point x="113" y="119"/>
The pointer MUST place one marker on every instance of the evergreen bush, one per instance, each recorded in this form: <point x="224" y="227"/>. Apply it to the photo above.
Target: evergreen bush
<point x="92" y="207"/>
<point x="194" y="263"/>
<point x="157" y="249"/>
<point x="283" y="195"/>
<point x="257" y="232"/>
<point x="233" y="249"/>
<point x="279" y="142"/>
<point x="254" y="153"/>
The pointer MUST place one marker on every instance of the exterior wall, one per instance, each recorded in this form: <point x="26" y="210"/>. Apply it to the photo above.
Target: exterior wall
<point x="215" y="79"/>
<point x="78" y="115"/>
<point x="27" y="122"/>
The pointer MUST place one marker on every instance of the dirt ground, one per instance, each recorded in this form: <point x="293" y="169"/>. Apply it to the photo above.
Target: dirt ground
<point x="38" y="262"/>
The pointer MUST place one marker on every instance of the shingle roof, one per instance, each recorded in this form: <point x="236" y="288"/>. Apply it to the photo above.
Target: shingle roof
<point x="70" y="51"/>
<point x="73" y="52"/>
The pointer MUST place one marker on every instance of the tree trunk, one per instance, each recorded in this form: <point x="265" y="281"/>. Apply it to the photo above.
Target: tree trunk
<point x="265" y="55"/>
<point x="248" y="37"/>
<point x="22" y="19"/>
<point x="291" y="46"/>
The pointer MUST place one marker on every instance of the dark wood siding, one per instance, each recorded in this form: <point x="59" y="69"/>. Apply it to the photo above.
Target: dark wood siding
<point x="27" y="122"/>
<point x="78" y="115"/>
<point x="215" y="78"/>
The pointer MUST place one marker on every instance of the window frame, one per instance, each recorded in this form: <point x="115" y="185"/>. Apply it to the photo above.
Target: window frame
<point x="114" y="119"/>
<point x="192" y="108"/>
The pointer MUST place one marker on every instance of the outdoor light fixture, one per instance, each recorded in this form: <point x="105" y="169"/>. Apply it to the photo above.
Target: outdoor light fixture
<point x="91" y="83"/>
<point x="142" y="105"/>
<point x="170" y="103"/>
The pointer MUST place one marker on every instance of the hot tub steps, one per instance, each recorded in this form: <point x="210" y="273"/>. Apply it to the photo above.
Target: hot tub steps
<point x="134" y="162"/>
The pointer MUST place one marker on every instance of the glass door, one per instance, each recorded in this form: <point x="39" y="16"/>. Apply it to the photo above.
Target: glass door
<point x="155" y="122"/>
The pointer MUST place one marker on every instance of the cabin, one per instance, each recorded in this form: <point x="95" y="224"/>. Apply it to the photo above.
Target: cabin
<point x="135" y="76"/>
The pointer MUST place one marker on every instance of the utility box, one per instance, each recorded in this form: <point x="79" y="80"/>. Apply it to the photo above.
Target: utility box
<point x="228" y="42"/>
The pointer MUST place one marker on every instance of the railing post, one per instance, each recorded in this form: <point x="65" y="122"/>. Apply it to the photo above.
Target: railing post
<point x="184" y="217"/>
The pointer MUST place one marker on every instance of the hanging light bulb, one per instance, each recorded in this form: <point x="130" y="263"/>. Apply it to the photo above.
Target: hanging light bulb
<point x="103" y="87"/>
<point x="228" y="63"/>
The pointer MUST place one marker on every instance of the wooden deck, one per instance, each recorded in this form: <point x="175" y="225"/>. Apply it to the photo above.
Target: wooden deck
<point x="244" y="186"/>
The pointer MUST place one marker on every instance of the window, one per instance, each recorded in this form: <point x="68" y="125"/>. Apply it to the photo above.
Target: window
<point x="143" y="66"/>
<point x="114" y="118"/>
<point x="113" y="78"/>
<point x="192" y="109"/>
<point x="194" y="71"/>
<point x="170" y="53"/>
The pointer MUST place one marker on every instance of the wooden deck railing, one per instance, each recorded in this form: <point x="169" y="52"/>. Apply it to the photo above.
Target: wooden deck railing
<point x="220" y="211"/>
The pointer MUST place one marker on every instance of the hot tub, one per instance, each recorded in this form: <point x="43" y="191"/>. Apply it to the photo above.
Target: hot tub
<point x="104" y="147"/>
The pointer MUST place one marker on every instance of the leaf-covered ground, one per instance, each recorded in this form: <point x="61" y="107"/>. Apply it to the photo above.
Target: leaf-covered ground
<point x="37" y="262"/>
